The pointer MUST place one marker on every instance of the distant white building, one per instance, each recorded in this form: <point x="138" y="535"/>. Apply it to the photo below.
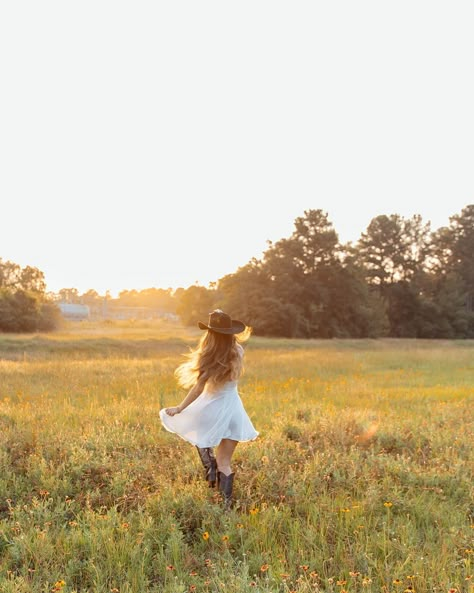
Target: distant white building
<point x="74" y="311"/>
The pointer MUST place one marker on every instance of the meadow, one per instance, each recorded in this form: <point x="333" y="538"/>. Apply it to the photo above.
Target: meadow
<point x="362" y="478"/>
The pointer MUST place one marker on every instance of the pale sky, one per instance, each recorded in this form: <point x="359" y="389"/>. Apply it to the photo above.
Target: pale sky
<point x="163" y="143"/>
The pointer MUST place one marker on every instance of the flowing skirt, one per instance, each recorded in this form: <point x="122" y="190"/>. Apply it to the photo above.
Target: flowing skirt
<point x="213" y="416"/>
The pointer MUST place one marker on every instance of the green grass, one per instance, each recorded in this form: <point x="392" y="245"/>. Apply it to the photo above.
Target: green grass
<point x="361" y="478"/>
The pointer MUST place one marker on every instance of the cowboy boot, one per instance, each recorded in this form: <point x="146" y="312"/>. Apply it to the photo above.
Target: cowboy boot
<point x="209" y="463"/>
<point x="226" y="484"/>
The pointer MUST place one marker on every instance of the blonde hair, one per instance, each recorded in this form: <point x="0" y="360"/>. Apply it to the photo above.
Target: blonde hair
<point x="218" y="355"/>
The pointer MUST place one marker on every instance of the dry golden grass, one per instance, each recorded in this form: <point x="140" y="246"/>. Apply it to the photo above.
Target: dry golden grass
<point x="361" y="479"/>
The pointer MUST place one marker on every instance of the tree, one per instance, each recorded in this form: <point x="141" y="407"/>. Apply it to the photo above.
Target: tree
<point x="32" y="279"/>
<point x="69" y="295"/>
<point x="453" y="266"/>
<point x="394" y="255"/>
<point x="90" y="297"/>
<point x="24" y="305"/>
<point x="315" y="241"/>
<point x="393" y="249"/>
<point x="195" y="304"/>
<point x="19" y="311"/>
<point x="462" y="230"/>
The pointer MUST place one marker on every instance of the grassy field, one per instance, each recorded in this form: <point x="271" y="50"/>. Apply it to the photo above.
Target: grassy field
<point x="361" y="478"/>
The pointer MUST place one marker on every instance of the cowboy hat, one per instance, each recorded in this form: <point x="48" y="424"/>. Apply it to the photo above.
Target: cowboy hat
<point x="221" y="323"/>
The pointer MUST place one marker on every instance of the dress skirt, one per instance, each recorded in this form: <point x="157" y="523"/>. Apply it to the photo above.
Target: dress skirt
<point x="213" y="416"/>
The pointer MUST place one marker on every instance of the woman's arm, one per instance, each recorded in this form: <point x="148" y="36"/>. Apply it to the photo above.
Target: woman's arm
<point x="193" y="394"/>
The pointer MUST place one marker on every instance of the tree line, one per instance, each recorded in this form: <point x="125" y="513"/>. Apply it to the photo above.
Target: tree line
<point x="400" y="279"/>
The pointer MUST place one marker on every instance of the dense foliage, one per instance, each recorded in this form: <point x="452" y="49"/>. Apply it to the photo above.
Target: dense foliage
<point x="400" y="279"/>
<point x="24" y="305"/>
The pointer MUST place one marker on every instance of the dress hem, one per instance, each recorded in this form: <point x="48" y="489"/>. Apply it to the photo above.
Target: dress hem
<point x="192" y="442"/>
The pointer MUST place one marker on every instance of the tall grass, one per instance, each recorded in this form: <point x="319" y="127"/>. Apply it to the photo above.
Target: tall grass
<point x="361" y="478"/>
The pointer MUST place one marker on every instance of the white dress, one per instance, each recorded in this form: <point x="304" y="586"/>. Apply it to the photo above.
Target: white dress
<point x="214" y="415"/>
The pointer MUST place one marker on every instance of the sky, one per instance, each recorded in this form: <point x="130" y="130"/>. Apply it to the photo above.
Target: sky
<point x="160" y="144"/>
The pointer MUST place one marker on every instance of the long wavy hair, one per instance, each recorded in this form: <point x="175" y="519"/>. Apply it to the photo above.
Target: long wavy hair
<point x="220" y="355"/>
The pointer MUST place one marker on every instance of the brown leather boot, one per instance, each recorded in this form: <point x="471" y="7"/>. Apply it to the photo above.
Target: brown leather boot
<point x="226" y="485"/>
<point x="210" y="465"/>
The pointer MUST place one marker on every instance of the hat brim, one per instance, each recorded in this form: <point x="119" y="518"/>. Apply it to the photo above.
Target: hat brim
<point x="236" y="328"/>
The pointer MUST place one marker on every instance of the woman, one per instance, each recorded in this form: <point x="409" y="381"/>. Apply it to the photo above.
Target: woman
<point x="212" y="414"/>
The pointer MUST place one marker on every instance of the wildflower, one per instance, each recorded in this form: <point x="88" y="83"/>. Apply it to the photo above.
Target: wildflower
<point x="284" y="575"/>
<point x="341" y="583"/>
<point x="240" y="525"/>
<point x="409" y="589"/>
<point x="125" y="526"/>
<point x="346" y="510"/>
<point x="192" y="587"/>
<point x="366" y="581"/>
<point x="170" y="567"/>
<point x="354" y="574"/>
<point x="388" y="504"/>
<point x="208" y="562"/>
<point x="264" y="459"/>
<point x="469" y="551"/>
<point x="253" y="584"/>
<point x="253" y="511"/>
<point x="304" y="567"/>
<point x="330" y="580"/>
<point x="264" y="567"/>
<point x="313" y="574"/>
<point x="205" y="535"/>
<point x="397" y="582"/>
<point x="193" y="573"/>
<point x="452" y="590"/>
<point x="225" y="538"/>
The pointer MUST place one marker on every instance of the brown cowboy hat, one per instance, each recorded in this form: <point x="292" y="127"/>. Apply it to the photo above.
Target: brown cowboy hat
<point x="221" y="323"/>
